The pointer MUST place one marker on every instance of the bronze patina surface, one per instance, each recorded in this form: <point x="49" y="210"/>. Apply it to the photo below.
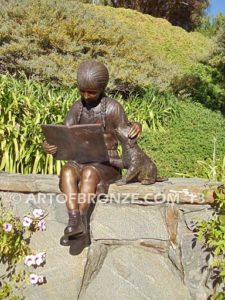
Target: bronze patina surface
<point x="82" y="143"/>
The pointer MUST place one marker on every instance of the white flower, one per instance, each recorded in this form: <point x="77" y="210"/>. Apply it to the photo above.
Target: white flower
<point x="27" y="221"/>
<point x="7" y="227"/>
<point x="42" y="225"/>
<point x="34" y="278"/>
<point x="38" y="213"/>
<point x="29" y="260"/>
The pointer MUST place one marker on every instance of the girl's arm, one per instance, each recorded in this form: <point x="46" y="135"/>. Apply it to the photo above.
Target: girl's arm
<point x="120" y="120"/>
<point x="71" y="117"/>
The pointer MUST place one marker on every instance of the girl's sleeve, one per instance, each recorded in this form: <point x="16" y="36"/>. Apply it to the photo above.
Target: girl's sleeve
<point x="119" y="116"/>
<point x="71" y="117"/>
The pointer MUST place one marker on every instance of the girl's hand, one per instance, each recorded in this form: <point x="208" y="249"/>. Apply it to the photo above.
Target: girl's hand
<point x="50" y="149"/>
<point x="135" y="131"/>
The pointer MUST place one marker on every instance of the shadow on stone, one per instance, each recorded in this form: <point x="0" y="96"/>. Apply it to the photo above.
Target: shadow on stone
<point x="78" y="245"/>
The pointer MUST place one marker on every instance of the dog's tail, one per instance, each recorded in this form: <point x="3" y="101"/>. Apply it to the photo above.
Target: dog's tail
<point x="161" y="179"/>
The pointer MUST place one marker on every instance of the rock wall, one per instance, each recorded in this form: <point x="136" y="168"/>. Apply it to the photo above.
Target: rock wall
<point x="143" y="246"/>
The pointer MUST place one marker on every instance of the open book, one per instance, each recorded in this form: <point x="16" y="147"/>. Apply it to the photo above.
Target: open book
<point x="81" y="143"/>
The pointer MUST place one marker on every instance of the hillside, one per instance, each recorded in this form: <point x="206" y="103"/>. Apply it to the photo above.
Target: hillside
<point x="50" y="38"/>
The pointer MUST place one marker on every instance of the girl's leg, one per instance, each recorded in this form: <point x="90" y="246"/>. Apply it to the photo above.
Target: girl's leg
<point x="69" y="186"/>
<point x="89" y="179"/>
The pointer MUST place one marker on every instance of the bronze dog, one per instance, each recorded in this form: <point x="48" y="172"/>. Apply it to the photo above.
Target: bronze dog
<point x="140" y="167"/>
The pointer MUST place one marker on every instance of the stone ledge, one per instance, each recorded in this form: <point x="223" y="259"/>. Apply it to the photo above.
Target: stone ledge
<point x="32" y="183"/>
<point x="175" y="190"/>
<point x="179" y="190"/>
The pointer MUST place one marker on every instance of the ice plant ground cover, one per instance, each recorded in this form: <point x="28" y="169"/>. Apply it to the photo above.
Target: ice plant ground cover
<point x="15" y="253"/>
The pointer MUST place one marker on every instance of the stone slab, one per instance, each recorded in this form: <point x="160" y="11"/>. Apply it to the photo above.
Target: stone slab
<point x="192" y="218"/>
<point x="32" y="183"/>
<point x="129" y="222"/>
<point x="193" y="259"/>
<point x="133" y="273"/>
<point x="175" y="190"/>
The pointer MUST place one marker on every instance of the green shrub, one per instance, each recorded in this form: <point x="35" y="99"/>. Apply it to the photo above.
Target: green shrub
<point x="211" y="25"/>
<point x="186" y="140"/>
<point x="153" y="109"/>
<point x="48" y="39"/>
<point x="206" y="83"/>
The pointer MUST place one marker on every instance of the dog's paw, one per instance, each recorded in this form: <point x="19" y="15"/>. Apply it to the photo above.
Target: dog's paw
<point x="120" y="182"/>
<point x="147" y="182"/>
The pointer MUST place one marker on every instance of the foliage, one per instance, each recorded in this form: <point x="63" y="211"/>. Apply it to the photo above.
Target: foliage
<point x="206" y="84"/>
<point x="186" y="14"/>
<point x="213" y="234"/>
<point x="211" y="25"/>
<point x="187" y="138"/>
<point x="213" y="169"/>
<point x="48" y="39"/>
<point x="153" y="109"/>
<point x="26" y="104"/>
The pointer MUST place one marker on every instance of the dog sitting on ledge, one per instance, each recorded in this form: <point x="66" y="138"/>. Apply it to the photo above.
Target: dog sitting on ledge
<point x="140" y="167"/>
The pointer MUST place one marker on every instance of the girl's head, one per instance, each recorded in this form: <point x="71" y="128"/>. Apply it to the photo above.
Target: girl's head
<point x="92" y="79"/>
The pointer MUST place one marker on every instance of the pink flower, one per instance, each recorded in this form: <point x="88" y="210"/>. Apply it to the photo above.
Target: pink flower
<point x="41" y="279"/>
<point x="40" y="258"/>
<point x="7" y="227"/>
<point x="42" y="225"/>
<point x="34" y="278"/>
<point x="38" y="213"/>
<point x="37" y="279"/>
<point x="27" y="221"/>
<point x="30" y="260"/>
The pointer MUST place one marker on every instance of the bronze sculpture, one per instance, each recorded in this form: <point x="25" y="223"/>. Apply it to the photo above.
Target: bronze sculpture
<point x="94" y="107"/>
<point x="140" y="167"/>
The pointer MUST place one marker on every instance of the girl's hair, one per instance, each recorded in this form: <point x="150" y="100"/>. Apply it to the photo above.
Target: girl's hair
<point x="92" y="74"/>
<point x="80" y="110"/>
<point x="102" y="110"/>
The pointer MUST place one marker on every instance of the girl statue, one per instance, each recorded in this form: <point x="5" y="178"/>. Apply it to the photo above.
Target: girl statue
<point x="93" y="178"/>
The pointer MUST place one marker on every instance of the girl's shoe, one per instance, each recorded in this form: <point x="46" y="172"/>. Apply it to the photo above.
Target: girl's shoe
<point x="75" y="225"/>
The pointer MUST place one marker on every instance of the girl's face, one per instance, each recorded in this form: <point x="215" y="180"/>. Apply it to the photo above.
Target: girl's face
<point x="90" y="96"/>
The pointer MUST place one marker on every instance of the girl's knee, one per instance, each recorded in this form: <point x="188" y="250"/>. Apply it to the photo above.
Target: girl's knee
<point x="67" y="174"/>
<point x="68" y="171"/>
<point x="89" y="173"/>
